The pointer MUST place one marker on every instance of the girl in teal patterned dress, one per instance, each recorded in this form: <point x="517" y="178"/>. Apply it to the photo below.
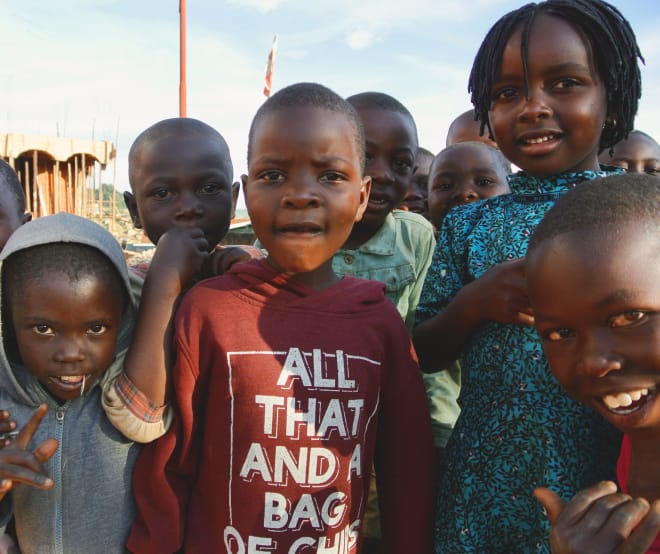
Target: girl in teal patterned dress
<point x="554" y="83"/>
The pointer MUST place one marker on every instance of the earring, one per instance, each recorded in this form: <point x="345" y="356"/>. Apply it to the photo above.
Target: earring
<point x="610" y="122"/>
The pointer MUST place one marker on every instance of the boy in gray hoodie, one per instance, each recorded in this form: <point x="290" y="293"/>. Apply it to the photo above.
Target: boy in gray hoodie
<point x="67" y="318"/>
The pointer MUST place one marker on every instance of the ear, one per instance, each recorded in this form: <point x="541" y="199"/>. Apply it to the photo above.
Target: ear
<point x="131" y="204"/>
<point x="244" y="182"/>
<point x="365" y="189"/>
<point x="234" y="197"/>
<point x="27" y="216"/>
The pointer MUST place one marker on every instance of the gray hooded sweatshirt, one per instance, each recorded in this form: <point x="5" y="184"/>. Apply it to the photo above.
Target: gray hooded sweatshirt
<point x="90" y="508"/>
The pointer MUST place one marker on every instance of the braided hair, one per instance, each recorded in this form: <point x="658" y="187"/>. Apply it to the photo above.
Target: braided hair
<point x="613" y="45"/>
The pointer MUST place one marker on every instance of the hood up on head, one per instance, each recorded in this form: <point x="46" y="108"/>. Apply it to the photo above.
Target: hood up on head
<point x="63" y="227"/>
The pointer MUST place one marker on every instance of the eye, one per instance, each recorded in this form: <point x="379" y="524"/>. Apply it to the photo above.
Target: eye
<point x="161" y="193"/>
<point x="652" y="171"/>
<point x="332" y="177"/>
<point x="555" y="335"/>
<point x="271" y="176"/>
<point x="42" y="329"/>
<point x="566" y="83"/>
<point x="505" y="93"/>
<point x="402" y="165"/>
<point x="484" y="182"/>
<point x="97" y="329"/>
<point x="627" y="318"/>
<point x="210" y="188"/>
<point x="443" y="187"/>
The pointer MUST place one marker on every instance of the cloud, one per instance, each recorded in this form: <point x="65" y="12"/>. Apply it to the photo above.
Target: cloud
<point x="358" y="40"/>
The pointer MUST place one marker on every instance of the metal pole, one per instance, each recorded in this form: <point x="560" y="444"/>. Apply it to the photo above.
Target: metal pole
<point x="182" y="58"/>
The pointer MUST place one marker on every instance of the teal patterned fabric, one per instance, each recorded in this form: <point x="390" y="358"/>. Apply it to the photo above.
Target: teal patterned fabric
<point x="517" y="429"/>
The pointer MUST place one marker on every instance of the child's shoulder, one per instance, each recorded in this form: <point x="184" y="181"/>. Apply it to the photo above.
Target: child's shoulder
<point x="474" y="212"/>
<point x="412" y="220"/>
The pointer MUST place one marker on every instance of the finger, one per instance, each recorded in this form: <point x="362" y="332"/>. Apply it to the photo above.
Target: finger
<point x="27" y="432"/>
<point x="576" y="508"/>
<point x="643" y="536"/>
<point x="45" y="450"/>
<point x="551" y="501"/>
<point x="25" y="475"/>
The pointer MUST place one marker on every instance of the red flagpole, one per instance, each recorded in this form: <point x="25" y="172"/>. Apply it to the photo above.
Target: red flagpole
<point x="182" y="58"/>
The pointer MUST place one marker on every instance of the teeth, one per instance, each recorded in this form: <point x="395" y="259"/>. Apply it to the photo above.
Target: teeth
<point x="71" y="378"/>
<point x="623" y="399"/>
<point x="540" y="139"/>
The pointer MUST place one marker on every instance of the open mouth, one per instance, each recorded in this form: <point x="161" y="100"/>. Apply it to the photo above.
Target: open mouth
<point x="540" y="140"/>
<point x="71" y="382"/>
<point x="624" y="403"/>
<point x="300" y="229"/>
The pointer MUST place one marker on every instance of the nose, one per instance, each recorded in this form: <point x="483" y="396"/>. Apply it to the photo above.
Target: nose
<point x="464" y="194"/>
<point x="300" y="193"/>
<point x="380" y="171"/>
<point x="596" y="356"/>
<point x="189" y="207"/>
<point x="534" y="107"/>
<point x="69" y="350"/>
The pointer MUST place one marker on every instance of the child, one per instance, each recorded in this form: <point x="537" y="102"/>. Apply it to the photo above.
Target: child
<point x="388" y="245"/>
<point x="554" y="82"/>
<point x="180" y="172"/>
<point x="12" y="203"/>
<point x="464" y="173"/>
<point x="289" y="380"/>
<point x="466" y="128"/>
<point x="416" y="199"/>
<point x="638" y="153"/>
<point x="68" y="312"/>
<point x="593" y="276"/>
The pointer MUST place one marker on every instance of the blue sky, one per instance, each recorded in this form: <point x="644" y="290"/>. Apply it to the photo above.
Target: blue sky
<point x="110" y="68"/>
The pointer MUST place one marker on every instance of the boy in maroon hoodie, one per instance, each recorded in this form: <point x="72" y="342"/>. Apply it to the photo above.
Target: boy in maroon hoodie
<point x="290" y="381"/>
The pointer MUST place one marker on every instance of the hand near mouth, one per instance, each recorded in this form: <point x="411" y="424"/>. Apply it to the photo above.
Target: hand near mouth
<point x="18" y="465"/>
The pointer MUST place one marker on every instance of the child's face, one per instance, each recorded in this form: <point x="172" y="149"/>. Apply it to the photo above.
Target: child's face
<point x="596" y="302"/>
<point x="391" y="146"/>
<point x="558" y="128"/>
<point x="637" y="154"/>
<point x="465" y="173"/>
<point x="66" y="331"/>
<point x="304" y="189"/>
<point x="182" y="181"/>
<point x="10" y="218"/>
<point x="415" y="199"/>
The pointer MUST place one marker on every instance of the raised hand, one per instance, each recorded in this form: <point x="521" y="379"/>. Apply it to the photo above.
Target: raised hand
<point x="19" y="465"/>
<point x="600" y="519"/>
<point x="7" y="428"/>
<point x="180" y="255"/>
<point x="502" y="293"/>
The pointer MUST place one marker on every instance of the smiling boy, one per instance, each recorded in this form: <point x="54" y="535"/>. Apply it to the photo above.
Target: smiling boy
<point x="289" y="379"/>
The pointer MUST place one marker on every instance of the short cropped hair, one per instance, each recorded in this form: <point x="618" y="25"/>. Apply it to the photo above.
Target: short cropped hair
<point x="425" y="152"/>
<point x="313" y="95"/>
<point x="381" y="101"/>
<point x="607" y="203"/>
<point x="182" y="126"/>
<point x="495" y="153"/>
<point x="612" y="42"/>
<point x="9" y="179"/>
<point x="76" y="261"/>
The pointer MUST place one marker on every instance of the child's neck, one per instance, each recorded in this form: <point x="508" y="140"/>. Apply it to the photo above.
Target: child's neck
<point x="360" y="234"/>
<point x="643" y="476"/>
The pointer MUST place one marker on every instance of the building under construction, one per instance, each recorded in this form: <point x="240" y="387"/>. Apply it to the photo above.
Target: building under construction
<point x="61" y="174"/>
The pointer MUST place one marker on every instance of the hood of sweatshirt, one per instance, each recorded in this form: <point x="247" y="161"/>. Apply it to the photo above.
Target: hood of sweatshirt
<point x="62" y="227"/>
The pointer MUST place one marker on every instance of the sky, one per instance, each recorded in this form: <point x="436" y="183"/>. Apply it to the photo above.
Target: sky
<point x="108" y="69"/>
